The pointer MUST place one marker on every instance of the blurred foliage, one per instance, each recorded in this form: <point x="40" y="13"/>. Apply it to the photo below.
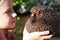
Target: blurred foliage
<point x="18" y="30"/>
<point x="22" y="6"/>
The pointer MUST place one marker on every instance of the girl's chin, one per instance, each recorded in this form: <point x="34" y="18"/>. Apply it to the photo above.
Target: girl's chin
<point x="10" y="30"/>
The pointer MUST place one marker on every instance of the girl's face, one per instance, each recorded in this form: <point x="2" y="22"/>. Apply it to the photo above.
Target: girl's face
<point x="8" y="20"/>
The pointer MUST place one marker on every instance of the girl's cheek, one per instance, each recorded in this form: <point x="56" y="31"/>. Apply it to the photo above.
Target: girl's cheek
<point x="4" y="20"/>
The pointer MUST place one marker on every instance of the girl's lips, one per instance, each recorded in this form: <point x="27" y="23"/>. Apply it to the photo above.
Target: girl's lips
<point x="13" y="21"/>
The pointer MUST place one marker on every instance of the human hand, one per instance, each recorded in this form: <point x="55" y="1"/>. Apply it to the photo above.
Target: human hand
<point x="39" y="35"/>
<point x="36" y="35"/>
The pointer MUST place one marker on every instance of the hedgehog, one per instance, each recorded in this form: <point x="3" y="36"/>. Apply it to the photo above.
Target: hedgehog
<point x="42" y="18"/>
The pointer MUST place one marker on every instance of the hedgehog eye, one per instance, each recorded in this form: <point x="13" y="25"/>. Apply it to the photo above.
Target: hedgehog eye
<point x="33" y="19"/>
<point x="39" y="12"/>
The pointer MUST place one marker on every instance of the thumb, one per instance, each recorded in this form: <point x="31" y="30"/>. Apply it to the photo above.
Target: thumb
<point x="40" y="33"/>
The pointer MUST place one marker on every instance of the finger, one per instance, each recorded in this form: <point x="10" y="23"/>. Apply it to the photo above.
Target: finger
<point x="40" y="33"/>
<point x="47" y="37"/>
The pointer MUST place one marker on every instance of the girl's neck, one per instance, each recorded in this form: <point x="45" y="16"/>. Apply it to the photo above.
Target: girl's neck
<point x="2" y="34"/>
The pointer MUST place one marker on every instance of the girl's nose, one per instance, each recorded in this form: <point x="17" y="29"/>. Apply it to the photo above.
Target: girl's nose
<point x="14" y="14"/>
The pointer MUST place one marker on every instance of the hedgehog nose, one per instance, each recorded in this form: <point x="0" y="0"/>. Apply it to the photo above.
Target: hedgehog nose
<point x="32" y="14"/>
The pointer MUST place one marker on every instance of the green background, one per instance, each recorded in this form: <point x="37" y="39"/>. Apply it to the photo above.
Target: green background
<point x="22" y="15"/>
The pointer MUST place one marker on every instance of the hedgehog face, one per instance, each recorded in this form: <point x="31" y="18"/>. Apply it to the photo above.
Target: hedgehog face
<point x="38" y="11"/>
<point x="42" y="13"/>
